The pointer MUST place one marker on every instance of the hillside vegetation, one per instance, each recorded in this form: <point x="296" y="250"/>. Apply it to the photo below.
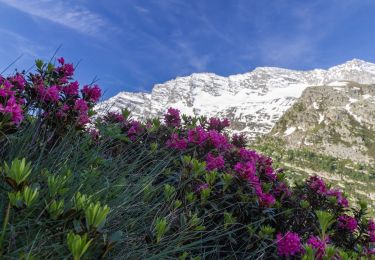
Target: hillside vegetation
<point x="355" y="178"/>
<point x="80" y="186"/>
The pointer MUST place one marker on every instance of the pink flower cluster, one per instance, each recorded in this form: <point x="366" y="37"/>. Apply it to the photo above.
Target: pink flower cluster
<point x="134" y="129"/>
<point x="18" y="81"/>
<point x="61" y="100"/>
<point x="10" y="101"/>
<point x="66" y="70"/>
<point x="48" y="94"/>
<point x="177" y="143"/>
<point x="247" y="170"/>
<point x="214" y="145"/>
<point x="318" y="185"/>
<point x="208" y="140"/>
<point x="289" y="244"/>
<point x="347" y="222"/>
<point x="214" y="162"/>
<point x="113" y="117"/>
<point x="217" y="124"/>
<point x="51" y="92"/>
<point x="371" y="230"/>
<point x="91" y="94"/>
<point x="71" y="88"/>
<point x="319" y="245"/>
<point x="172" y="117"/>
<point x="218" y="141"/>
<point x="282" y="190"/>
<point x="239" y="140"/>
<point x="197" y="136"/>
<point x="341" y="200"/>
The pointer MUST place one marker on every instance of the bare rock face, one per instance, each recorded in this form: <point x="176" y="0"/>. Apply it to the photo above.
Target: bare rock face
<point x="338" y="120"/>
<point x="253" y="101"/>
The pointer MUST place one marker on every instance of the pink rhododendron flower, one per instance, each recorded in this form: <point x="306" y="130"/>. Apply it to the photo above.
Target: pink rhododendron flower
<point x="6" y="89"/>
<point x="239" y="140"/>
<point x="67" y="70"/>
<point x="18" y="81"/>
<point x="197" y="136"/>
<point x="72" y="88"/>
<point x="81" y="106"/>
<point x="14" y="95"/>
<point x="341" y="200"/>
<point x="347" y="222"/>
<point x="266" y="199"/>
<point x="13" y="109"/>
<point x="319" y="245"/>
<point x="219" y="141"/>
<point x="7" y="84"/>
<point x="248" y="155"/>
<point x="51" y="94"/>
<point x="63" y="80"/>
<point x="265" y="160"/>
<point x="245" y="169"/>
<point x="83" y="119"/>
<point x="269" y="173"/>
<point x="114" y="117"/>
<point x="371" y="230"/>
<point x="61" y="60"/>
<point x="40" y="90"/>
<point x="65" y="108"/>
<point x="92" y="94"/>
<point x="317" y="184"/>
<point x="175" y="142"/>
<point x="134" y="130"/>
<point x="214" y="162"/>
<point x="172" y="117"/>
<point x="282" y="190"/>
<point x="289" y="244"/>
<point x="217" y="124"/>
<point x="135" y="127"/>
<point x="118" y="117"/>
<point x="248" y="172"/>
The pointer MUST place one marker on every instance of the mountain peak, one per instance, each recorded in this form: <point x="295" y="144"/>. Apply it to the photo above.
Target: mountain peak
<point x="356" y="64"/>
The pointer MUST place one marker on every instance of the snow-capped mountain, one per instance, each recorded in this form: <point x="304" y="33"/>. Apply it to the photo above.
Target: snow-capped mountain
<point x="253" y="101"/>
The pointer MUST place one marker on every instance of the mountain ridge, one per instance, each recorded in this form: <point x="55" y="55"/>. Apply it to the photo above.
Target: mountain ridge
<point x="253" y="101"/>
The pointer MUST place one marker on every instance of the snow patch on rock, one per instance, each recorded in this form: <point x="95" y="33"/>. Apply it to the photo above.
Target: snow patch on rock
<point x="289" y="131"/>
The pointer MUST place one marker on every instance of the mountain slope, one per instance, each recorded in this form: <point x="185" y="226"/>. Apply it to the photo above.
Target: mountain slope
<point x="338" y="121"/>
<point x="253" y="101"/>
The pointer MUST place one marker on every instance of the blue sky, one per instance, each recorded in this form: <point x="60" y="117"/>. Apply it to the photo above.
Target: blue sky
<point x="130" y="45"/>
